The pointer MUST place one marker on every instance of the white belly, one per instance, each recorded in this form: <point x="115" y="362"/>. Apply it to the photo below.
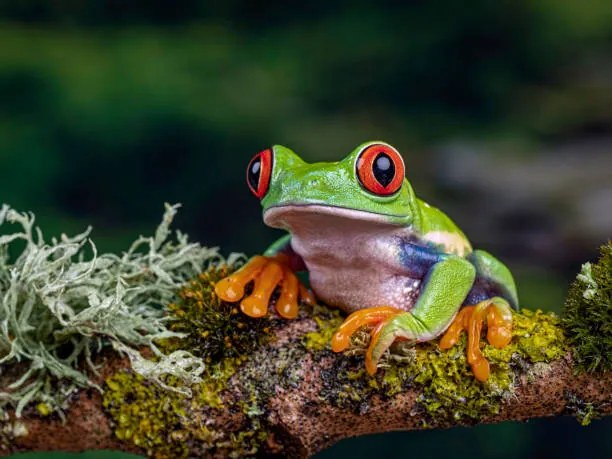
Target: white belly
<point x="356" y="269"/>
<point x="353" y="257"/>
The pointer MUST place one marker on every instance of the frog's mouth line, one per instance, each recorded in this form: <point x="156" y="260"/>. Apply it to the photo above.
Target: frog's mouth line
<point x="283" y="216"/>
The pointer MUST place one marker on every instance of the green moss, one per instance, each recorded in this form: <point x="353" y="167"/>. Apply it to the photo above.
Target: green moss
<point x="171" y="425"/>
<point x="214" y="329"/>
<point x="146" y="415"/>
<point x="215" y="382"/>
<point x="588" y="314"/>
<point x="328" y="321"/>
<point x="536" y="337"/>
<point x="448" y="387"/>
<point x="163" y="422"/>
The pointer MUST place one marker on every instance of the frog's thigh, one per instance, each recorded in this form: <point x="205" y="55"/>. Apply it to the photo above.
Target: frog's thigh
<point x="491" y="268"/>
<point x="446" y="286"/>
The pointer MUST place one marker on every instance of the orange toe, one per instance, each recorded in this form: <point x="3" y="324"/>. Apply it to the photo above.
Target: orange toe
<point x="287" y="304"/>
<point x="256" y="304"/>
<point x="499" y="328"/>
<point x="474" y="329"/>
<point x="268" y="273"/>
<point x="306" y="295"/>
<point x="481" y="370"/>
<point x="453" y="333"/>
<point x="370" y="316"/>
<point x="231" y="288"/>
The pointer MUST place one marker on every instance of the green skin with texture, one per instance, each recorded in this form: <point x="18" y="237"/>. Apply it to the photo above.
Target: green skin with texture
<point x="372" y="246"/>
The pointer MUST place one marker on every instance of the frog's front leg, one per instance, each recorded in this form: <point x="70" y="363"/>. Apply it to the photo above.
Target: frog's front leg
<point x="276" y="267"/>
<point x="446" y="285"/>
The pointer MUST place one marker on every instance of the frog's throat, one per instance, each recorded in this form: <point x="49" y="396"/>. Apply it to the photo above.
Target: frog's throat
<point x="287" y="215"/>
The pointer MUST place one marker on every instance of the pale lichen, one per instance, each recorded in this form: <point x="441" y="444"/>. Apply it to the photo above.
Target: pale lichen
<point x="9" y="431"/>
<point x="61" y="303"/>
<point x="584" y="412"/>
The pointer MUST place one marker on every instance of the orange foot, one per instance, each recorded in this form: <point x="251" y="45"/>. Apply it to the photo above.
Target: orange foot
<point x="377" y="317"/>
<point x="498" y="315"/>
<point x="268" y="273"/>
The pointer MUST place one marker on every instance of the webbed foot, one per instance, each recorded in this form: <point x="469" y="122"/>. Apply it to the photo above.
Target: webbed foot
<point x="498" y="314"/>
<point x="268" y="273"/>
<point x="389" y="324"/>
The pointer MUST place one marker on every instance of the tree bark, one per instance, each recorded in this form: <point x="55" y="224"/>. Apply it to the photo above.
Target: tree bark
<point x="299" y="421"/>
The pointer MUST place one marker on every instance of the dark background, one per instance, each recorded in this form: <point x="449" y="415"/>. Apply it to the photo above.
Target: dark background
<point x="502" y="110"/>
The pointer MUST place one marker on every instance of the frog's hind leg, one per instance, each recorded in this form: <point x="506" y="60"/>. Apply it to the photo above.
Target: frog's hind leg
<point x="495" y="276"/>
<point x="498" y="315"/>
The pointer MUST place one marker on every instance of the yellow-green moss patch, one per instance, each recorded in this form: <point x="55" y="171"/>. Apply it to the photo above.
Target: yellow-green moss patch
<point x="449" y="390"/>
<point x="171" y="425"/>
<point x="328" y="321"/>
<point x="146" y="415"/>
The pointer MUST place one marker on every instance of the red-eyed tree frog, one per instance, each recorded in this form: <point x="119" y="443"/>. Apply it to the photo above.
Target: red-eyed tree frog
<point x="374" y="250"/>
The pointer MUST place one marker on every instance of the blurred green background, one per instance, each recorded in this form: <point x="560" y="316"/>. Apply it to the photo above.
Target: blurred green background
<point x="502" y="110"/>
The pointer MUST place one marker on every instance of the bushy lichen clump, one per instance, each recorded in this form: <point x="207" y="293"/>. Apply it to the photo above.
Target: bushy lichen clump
<point x="61" y="302"/>
<point x="449" y="389"/>
<point x="588" y="314"/>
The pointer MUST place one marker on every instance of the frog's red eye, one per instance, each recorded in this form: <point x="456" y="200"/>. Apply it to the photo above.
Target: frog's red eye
<point x="380" y="169"/>
<point x="259" y="172"/>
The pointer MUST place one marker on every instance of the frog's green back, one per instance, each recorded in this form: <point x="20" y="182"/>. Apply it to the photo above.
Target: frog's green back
<point x="437" y="228"/>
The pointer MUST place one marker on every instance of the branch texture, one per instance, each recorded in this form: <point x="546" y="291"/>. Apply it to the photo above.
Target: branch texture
<point x="294" y="392"/>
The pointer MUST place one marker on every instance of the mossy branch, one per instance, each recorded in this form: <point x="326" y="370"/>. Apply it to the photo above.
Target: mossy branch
<point x="292" y="400"/>
<point x="273" y="387"/>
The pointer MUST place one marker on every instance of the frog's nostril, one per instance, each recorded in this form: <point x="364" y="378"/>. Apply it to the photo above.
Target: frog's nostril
<point x="313" y="182"/>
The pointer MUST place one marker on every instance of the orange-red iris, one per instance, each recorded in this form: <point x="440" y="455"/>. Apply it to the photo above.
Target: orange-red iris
<point x="259" y="172"/>
<point x="370" y="175"/>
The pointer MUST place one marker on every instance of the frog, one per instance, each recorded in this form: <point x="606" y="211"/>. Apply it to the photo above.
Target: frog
<point x="399" y="267"/>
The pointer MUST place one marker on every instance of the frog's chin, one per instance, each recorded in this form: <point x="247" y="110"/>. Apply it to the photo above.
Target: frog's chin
<point x="290" y="216"/>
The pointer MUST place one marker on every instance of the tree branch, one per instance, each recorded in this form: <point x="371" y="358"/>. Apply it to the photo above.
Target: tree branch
<point x="292" y="384"/>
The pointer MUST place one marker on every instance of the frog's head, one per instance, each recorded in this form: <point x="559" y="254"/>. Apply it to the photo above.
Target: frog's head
<point x="368" y="186"/>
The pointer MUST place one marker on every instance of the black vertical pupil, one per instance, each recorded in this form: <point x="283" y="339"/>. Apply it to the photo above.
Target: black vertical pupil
<point x="254" y="173"/>
<point x="383" y="169"/>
